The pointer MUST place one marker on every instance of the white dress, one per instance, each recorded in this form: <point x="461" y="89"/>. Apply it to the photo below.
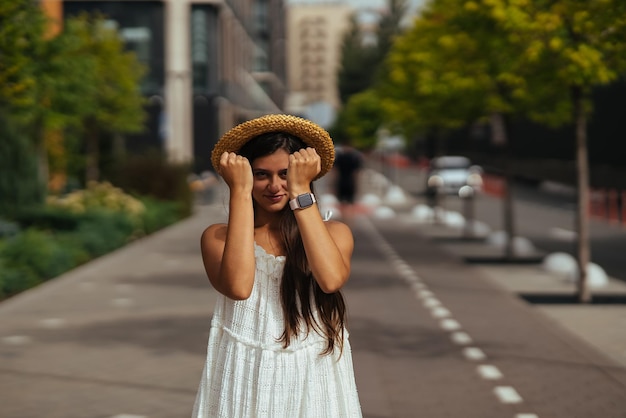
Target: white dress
<point x="248" y="373"/>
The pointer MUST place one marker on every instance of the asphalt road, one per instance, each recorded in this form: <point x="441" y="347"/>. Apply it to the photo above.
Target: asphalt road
<point x="546" y="218"/>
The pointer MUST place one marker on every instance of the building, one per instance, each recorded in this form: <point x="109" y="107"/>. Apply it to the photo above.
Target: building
<point x="315" y="32"/>
<point x="211" y="64"/>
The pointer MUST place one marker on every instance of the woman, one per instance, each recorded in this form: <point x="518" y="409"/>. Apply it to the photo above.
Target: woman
<point x="278" y="346"/>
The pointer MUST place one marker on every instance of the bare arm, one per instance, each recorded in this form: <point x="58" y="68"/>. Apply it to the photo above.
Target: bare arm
<point x="328" y="245"/>
<point x="228" y="250"/>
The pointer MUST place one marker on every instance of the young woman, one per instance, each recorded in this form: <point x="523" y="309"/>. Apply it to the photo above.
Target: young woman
<point x="278" y="346"/>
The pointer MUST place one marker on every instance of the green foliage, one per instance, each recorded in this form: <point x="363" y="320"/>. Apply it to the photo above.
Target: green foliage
<point x="363" y="116"/>
<point x="355" y="73"/>
<point x="117" y="103"/>
<point x="160" y="214"/>
<point x="19" y="185"/>
<point x="362" y="62"/>
<point x="57" y="240"/>
<point x="22" y="26"/>
<point x="101" y="232"/>
<point x="153" y="176"/>
<point x="98" y="196"/>
<point x="38" y="251"/>
<point x="16" y="279"/>
<point x="46" y="217"/>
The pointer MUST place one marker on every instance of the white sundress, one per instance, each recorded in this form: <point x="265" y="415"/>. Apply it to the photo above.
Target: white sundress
<point x="248" y="373"/>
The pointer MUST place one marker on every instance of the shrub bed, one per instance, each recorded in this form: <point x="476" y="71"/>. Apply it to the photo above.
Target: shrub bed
<point x="42" y="243"/>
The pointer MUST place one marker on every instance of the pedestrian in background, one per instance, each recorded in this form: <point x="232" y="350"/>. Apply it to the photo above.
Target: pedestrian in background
<point x="278" y="344"/>
<point x="348" y="165"/>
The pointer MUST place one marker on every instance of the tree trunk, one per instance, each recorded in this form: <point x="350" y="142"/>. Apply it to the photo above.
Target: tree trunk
<point x="582" y="162"/>
<point x="501" y="139"/>
<point x="92" y="151"/>
<point x="43" y="168"/>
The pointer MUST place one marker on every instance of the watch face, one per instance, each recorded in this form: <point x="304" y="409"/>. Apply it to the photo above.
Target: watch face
<point x="305" y="200"/>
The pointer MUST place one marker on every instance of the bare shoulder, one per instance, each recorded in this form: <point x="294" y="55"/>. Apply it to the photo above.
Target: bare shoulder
<point x="338" y="229"/>
<point x="215" y="232"/>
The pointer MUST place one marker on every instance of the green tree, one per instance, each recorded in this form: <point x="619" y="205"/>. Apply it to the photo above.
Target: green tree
<point x="427" y="85"/>
<point x="117" y="106"/>
<point x="458" y="65"/>
<point x="363" y="118"/>
<point x="19" y="185"/>
<point x="22" y="26"/>
<point x="356" y="64"/>
<point x="21" y="41"/>
<point x="360" y="68"/>
<point x="580" y="45"/>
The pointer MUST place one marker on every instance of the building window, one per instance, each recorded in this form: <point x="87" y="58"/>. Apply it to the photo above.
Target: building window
<point x="261" y="13"/>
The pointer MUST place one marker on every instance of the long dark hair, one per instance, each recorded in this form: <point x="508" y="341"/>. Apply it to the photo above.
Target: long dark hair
<point x="298" y="286"/>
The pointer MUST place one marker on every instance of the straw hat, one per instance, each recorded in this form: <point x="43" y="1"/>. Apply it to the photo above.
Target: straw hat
<point x="312" y="134"/>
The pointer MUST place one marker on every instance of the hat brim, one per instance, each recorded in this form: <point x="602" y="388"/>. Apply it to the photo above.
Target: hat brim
<point x="310" y="133"/>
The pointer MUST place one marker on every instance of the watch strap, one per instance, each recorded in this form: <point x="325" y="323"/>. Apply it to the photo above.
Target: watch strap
<point x="302" y="201"/>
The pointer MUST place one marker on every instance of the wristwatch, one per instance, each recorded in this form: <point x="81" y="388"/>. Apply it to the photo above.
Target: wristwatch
<point x="302" y="201"/>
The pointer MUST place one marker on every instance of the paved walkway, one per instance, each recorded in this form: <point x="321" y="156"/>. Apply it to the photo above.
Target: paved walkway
<point x="125" y="335"/>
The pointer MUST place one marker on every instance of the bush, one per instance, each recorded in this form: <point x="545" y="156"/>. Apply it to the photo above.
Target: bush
<point x="159" y="214"/>
<point x="8" y="229"/>
<point x="55" y="239"/>
<point x="38" y="251"/>
<point x="14" y="280"/>
<point x="48" y="218"/>
<point x="98" y="196"/>
<point x="103" y="231"/>
<point x="153" y="176"/>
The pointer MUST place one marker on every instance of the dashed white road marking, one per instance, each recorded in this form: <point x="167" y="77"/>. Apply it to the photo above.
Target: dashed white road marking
<point x="507" y="394"/>
<point x="17" y="339"/>
<point x="52" y="323"/>
<point x="417" y="286"/>
<point x="461" y="338"/>
<point x="440" y="312"/>
<point x="474" y="353"/>
<point x="124" y="287"/>
<point x="431" y="302"/>
<point x="122" y="302"/>
<point x="489" y="372"/>
<point x="449" y="324"/>
<point x="128" y="416"/>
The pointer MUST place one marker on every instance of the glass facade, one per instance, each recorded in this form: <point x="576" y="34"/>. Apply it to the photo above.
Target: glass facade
<point x="204" y="45"/>
<point x="141" y="25"/>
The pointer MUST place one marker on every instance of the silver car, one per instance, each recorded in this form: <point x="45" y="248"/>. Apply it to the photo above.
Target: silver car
<point x="449" y="174"/>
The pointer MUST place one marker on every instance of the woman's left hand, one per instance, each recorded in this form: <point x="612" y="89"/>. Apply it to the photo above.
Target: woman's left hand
<point x="304" y="166"/>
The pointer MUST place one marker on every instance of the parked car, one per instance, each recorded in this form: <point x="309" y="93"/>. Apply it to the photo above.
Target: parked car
<point x="448" y="174"/>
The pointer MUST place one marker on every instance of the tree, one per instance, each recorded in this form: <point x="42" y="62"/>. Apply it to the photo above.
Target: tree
<point x="362" y="63"/>
<point x="464" y="67"/>
<point x="357" y="61"/>
<point x="363" y="116"/>
<point x="21" y="41"/>
<point x="583" y="45"/>
<point x="117" y="105"/>
<point x="427" y="85"/>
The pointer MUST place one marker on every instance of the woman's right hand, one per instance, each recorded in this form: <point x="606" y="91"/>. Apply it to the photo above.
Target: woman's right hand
<point x="236" y="171"/>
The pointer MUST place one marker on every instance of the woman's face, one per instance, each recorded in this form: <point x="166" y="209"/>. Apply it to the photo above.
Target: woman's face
<point x="270" y="181"/>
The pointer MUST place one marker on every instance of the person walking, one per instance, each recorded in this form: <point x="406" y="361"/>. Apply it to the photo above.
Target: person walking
<point x="348" y="165"/>
<point x="278" y="344"/>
